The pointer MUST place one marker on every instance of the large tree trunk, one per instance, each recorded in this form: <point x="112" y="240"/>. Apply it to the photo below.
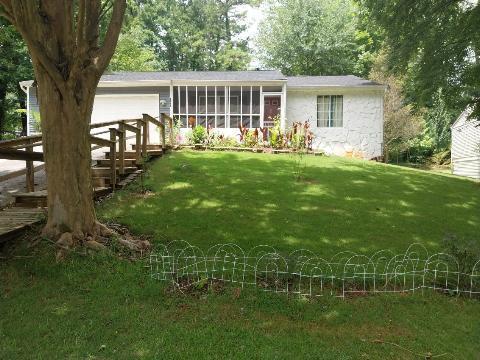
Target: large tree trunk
<point x="66" y="142"/>
<point x="68" y="59"/>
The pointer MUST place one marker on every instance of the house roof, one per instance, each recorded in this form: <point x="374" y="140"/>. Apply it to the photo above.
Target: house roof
<point x="253" y="75"/>
<point x="129" y="78"/>
<point x="328" y="81"/>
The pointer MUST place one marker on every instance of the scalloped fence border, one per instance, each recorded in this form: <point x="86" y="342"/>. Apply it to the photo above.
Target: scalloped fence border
<point x="304" y="273"/>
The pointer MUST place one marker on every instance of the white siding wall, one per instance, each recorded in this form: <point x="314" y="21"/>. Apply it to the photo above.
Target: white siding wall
<point x="466" y="148"/>
<point x="362" y="131"/>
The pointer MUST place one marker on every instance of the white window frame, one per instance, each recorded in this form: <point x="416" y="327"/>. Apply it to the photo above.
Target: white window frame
<point x="333" y="120"/>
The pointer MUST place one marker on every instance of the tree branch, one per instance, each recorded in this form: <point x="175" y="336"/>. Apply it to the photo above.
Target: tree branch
<point x="6" y="11"/>
<point x="106" y="51"/>
<point x="105" y="8"/>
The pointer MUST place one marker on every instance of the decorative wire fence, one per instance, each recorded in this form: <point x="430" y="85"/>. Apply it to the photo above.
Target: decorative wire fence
<point x="304" y="273"/>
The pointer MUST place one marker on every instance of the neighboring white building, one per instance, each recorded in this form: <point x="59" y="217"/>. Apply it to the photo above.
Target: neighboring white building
<point x="345" y="112"/>
<point x="466" y="146"/>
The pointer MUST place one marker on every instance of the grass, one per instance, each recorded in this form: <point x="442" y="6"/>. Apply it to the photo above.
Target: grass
<point x="101" y="307"/>
<point x="337" y="205"/>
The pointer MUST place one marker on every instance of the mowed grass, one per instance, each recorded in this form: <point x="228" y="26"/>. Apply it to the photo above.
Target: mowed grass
<point x="322" y="204"/>
<point x="101" y="307"/>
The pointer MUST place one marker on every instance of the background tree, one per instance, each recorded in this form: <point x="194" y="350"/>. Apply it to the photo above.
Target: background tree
<point x="132" y="54"/>
<point x="68" y="56"/>
<point x="438" y="43"/>
<point x="401" y="124"/>
<point x="311" y="37"/>
<point x="195" y="34"/>
<point x="15" y="66"/>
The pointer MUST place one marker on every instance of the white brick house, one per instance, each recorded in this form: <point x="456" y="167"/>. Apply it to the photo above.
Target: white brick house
<point x="345" y="112"/>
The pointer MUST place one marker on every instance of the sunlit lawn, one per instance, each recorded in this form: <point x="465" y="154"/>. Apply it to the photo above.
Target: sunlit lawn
<point x="322" y="204"/>
<point x="101" y="307"/>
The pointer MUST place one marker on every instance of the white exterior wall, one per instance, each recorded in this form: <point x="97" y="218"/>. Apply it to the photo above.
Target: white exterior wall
<point x="466" y="147"/>
<point x="362" y="131"/>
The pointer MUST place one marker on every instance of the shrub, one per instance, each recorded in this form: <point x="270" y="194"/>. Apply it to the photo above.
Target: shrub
<point x="249" y="139"/>
<point x="198" y="135"/>
<point x="222" y="141"/>
<point x="276" y="135"/>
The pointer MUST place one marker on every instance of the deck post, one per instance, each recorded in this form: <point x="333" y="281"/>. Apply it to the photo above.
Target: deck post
<point x="138" y="142"/>
<point x="121" y="147"/>
<point x="145" y="141"/>
<point x="162" y="131"/>
<point x="30" y="174"/>
<point x="171" y="135"/>
<point x="113" y="157"/>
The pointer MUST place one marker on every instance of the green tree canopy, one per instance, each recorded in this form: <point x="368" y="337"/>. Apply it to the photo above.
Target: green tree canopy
<point x="195" y="34"/>
<point x="437" y="43"/>
<point x="15" y="66"/>
<point x="312" y="37"/>
<point x="132" y="54"/>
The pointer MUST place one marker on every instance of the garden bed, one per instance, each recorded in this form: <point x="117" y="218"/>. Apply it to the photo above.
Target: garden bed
<point x="268" y="150"/>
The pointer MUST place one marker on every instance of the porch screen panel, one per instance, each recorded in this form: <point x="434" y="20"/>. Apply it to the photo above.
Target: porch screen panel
<point x="256" y="100"/>
<point x="217" y="106"/>
<point x="220" y="105"/>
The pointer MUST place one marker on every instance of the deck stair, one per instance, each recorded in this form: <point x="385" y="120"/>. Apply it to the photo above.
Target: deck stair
<point x="118" y="168"/>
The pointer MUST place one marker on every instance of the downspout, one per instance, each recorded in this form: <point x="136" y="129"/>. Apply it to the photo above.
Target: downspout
<point x="26" y="90"/>
<point x="283" y="107"/>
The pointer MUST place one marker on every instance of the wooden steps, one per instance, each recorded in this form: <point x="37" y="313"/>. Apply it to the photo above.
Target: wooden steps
<point x="35" y="199"/>
<point x="133" y="154"/>
<point x="15" y="219"/>
<point x="106" y="171"/>
<point x="149" y="147"/>
<point x="106" y="162"/>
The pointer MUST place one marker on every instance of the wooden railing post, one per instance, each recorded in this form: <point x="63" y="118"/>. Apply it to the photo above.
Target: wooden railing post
<point x="146" y="128"/>
<point x="30" y="175"/>
<point x="113" y="157"/>
<point x="145" y="135"/>
<point x="171" y="135"/>
<point x="162" y="131"/>
<point x="121" y="147"/>
<point x="138" y="142"/>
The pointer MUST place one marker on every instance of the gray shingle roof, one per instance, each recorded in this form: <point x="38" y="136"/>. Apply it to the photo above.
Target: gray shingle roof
<point x="254" y="75"/>
<point x="343" y="81"/>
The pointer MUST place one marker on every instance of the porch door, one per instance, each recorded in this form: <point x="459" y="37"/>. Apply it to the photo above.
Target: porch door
<point x="271" y="108"/>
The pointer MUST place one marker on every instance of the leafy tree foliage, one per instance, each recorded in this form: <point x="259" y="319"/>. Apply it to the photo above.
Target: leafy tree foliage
<point x="438" y="43"/>
<point x="401" y="124"/>
<point x="131" y="53"/>
<point x="15" y="66"/>
<point x="438" y="120"/>
<point x="195" y="34"/>
<point x="312" y="37"/>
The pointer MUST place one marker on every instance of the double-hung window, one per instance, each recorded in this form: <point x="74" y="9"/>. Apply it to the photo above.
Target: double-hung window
<point x="330" y="111"/>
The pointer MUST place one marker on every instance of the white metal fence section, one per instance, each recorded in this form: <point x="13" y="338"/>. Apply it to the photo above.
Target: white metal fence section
<point x="304" y="273"/>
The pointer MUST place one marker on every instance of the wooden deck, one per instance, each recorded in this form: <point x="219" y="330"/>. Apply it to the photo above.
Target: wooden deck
<point x="16" y="219"/>
<point x="118" y="168"/>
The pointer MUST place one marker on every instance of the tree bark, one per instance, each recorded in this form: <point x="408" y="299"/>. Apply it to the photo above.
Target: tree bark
<point x="66" y="146"/>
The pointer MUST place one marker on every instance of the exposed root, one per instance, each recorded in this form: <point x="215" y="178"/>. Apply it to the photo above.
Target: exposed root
<point x="101" y="240"/>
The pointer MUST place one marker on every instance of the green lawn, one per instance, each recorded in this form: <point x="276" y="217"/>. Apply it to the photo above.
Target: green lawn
<point x="101" y="307"/>
<point x="338" y="204"/>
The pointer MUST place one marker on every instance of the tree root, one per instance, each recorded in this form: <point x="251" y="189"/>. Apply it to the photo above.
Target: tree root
<point x="100" y="241"/>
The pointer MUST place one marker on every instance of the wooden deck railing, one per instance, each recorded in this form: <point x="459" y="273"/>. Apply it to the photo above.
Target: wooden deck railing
<point x="116" y="142"/>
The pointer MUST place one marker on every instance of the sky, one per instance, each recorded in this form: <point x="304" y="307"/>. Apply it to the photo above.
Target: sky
<point x="253" y="17"/>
